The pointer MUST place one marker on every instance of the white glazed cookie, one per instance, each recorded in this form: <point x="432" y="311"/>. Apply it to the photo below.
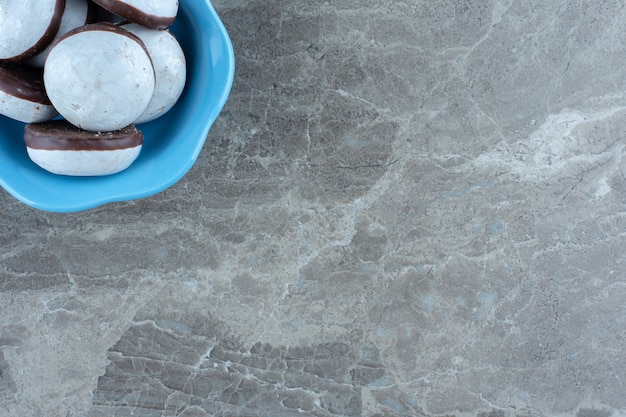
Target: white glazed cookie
<point x="99" y="77"/>
<point x="61" y="148"/>
<point x="170" y="69"/>
<point x="154" y="14"/>
<point x="27" y="27"/>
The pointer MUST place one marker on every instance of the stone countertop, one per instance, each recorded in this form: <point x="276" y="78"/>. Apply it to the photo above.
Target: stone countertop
<point x="405" y="209"/>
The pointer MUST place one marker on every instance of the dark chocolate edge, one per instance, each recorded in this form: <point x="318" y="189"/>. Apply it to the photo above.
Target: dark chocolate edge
<point x="46" y="38"/>
<point x="32" y="78"/>
<point x="135" y="15"/>
<point x="36" y="137"/>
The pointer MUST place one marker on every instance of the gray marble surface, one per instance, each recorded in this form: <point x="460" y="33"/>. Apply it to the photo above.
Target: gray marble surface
<point x="405" y="209"/>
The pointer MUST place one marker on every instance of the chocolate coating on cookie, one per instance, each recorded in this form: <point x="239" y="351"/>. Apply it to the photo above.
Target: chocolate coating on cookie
<point x="61" y="135"/>
<point x="22" y="94"/>
<point x="23" y="82"/>
<point x="153" y="14"/>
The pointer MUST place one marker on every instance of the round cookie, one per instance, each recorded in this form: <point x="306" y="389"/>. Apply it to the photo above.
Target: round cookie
<point x="77" y="13"/>
<point x="27" y="27"/>
<point x="170" y="69"/>
<point x="22" y="94"/>
<point x="153" y="14"/>
<point x="99" y="77"/>
<point x="61" y="148"/>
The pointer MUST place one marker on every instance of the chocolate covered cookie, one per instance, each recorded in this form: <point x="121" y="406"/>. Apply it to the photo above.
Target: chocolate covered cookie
<point x="99" y="77"/>
<point x="154" y="14"/>
<point x="61" y="148"/>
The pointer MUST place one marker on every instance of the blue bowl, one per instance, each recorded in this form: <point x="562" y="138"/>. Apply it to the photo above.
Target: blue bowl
<point x="172" y="143"/>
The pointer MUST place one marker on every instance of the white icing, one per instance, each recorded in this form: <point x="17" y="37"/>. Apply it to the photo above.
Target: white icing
<point x="75" y="15"/>
<point x="170" y="69"/>
<point x="22" y="24"/>
<point x="84" y="163"/>
<point x="99" y="80"/>
<point x="25" y="111"/>
<point x="161" y="8"/>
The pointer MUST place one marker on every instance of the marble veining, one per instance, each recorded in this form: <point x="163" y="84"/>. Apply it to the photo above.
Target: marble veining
<point x="405" y="209"/>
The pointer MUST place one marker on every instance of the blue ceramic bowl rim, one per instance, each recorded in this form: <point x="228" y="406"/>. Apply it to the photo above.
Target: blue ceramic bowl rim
<point x="83" y="193"/>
